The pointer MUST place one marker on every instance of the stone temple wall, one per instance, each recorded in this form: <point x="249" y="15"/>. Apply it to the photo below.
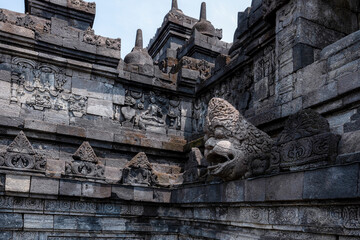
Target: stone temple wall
<point x="93" y="146"/>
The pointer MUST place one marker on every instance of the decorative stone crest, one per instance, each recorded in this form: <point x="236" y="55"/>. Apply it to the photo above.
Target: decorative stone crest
<point x="3" y="17"/>
<point x="204" y="67"/>
<point x="86" y="163"/>
<point x="139" y="171"/>
<point x="234" y="147"/>
<point x="26" y="22"/>
<point x="21" y="155"/>
<point x="306" y="142"/>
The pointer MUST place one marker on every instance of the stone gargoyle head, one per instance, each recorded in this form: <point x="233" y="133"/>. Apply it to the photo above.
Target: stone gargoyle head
<point x="234" y="147"/>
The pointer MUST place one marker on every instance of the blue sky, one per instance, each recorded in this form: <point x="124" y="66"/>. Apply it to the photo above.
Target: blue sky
<point x="121" y="18"/>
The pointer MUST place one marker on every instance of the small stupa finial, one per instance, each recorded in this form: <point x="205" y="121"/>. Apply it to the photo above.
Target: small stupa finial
<point x="203" y="11"/>
<point x="174" y="5"/>
<point x="139" y="39"/>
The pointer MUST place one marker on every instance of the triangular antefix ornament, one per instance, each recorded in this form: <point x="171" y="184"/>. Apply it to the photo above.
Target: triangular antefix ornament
<point x="85" y="153"/>
<point x="21" y="145"/>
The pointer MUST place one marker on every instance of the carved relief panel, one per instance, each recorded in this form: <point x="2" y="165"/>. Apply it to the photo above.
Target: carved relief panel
<point x="42" y="86"/>
<point x="144" y="110"/>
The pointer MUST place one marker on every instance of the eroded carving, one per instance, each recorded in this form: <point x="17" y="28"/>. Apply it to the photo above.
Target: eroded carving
<point x="20" y="154"/>
<point x="3" y="17"/>
<point x="42" y="86"/>
<point x="306" y="142"/>
<point x="234" y="147"/>
<point x="85" y="163"/>
<point x="139" y="171"/>
<point x="204" y="67"/>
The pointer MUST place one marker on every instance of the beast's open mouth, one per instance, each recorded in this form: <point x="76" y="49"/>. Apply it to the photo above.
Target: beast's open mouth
<point x="218" y="162"/>
<point x="215" y="158"/>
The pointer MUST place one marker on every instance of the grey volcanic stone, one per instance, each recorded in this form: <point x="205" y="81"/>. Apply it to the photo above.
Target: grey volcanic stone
<point x="332" y="183"/>
<point x="285" y="187"/>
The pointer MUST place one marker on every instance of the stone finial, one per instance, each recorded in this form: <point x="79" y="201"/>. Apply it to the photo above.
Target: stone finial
<point x="204" y="26"/>
<point x="139" y="39"/>
<point x="139" y="55"/>
<point x="203" y="11"/>
<point x="174" y="5"/>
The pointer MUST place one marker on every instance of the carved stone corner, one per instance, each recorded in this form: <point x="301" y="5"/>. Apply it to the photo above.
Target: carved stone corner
<point x="85" y="163"/>
<point x="139" y="171"/>
<point x="306" y="142"/>
<point x="21" y="155"/>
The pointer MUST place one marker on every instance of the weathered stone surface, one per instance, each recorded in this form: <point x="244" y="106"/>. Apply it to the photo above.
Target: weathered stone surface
<point x="70" y="188"/>
<point x="255" y="190"/>
<point x="11" y="221"/>
<point x="143" y="194"/>
<point x="349" y="142"/>
<point x="123" y="192"/>
<point x="96" y="190"/>
<point x="70" y="130"/>
<point x="229" y="158"/>
<point x="38" y="221"/>
<point x="17" y="183"/>
<point x="285" y="187"/>
<point x="331" y="183"/>
<point x="40" y="126"/>
<point x="44" y="186"/>
<point x="100" y="107"/>
<point x="233" y="191"/>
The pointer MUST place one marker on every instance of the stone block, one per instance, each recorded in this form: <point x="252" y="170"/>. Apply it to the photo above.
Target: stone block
<point x="40" y="126"/>
<point x="349" y="82"/>
<point x="43" y="222"/>
<point x="323" y="94"/>
<point x="94" y="190"/>
<point x="233" y="191"/>
<point x="70" y="188"/>
<point x="285" y="187"/>
<point x="143" y="194"/>
<point x="71" y="131"/>
<point x="141" y="78"/>
<point x="5" y="90"/>
<point x="11" y="221"/>
<point x="123" y="192"/>
<point x="303" y="55"/>
<point x="173" y="146"/>
<point x="262" y="89"/>
<point x="162" y="196"/>
<point x="65" y="222"/>
<point x="11" y="122"/>
<point x="118" y="94"/>
<point x="100" y="107"/>
<point x="150" y="143"/>
<point x="82" y="85"/>
<point x="17" y="30"/>
<point x="108" y="52"/>
<point x="349" y="142"/>
<point x="186" y="109"/>
<point x="332" y="183"/>
<point x="44" y="186"/>
<point x="5" y="75"/>
<point x="214" y="193"/>
<point x="112" y="174"/>
<point x="129" y="138"/>
<point x="17" y="183"/>
<point x="55" y="168"/>
<point x="9" y="110"/>
<point x="56" y="117"/>
<point x="255" y="190"/>
<point x="291" y="107"/>
<point x="99" y="135"/>
<point x="113" y="224"/>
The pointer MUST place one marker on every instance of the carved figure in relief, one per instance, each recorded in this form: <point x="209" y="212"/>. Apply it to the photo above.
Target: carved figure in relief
<point x="129" y="112"/>
<point x="234" y="147"/>
<point x="153" y="116"/>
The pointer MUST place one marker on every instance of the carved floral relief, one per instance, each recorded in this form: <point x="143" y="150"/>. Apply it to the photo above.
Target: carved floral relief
<point x="41" y="86"/>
